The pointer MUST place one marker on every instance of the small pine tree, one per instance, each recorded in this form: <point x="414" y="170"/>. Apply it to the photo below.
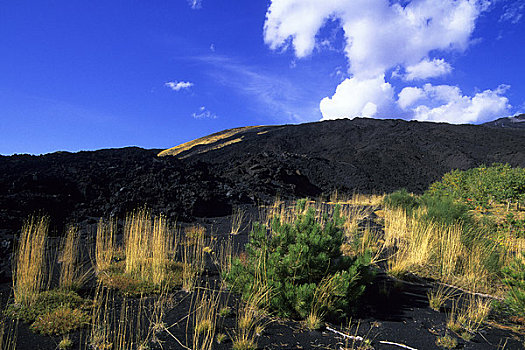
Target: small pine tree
<point x="291" y="260"/>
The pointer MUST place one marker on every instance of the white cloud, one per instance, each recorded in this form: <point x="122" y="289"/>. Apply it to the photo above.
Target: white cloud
<point x="195" y="4"/>
<point x="427" y="69"/>
<point x="409" y="95"/>
<point x="445" y="103"/>
<point x="180" y="85"/>
<point x="358" y="98"/>
<point x="380" y="35"/>
<point x="204" y="113"/>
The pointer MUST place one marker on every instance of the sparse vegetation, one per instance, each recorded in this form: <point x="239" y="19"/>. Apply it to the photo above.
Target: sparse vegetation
<point x="447" y="342"/>
<point x="61" y="320"/>
<point x="29" y="264"/>
<point x="439" y="296"/>
<point x="307" y="260"/>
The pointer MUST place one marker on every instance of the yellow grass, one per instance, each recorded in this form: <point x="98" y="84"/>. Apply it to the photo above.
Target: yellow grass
<point x="70" y="276"/>
<point x="193" y="255"/>
<point x="436" y="251"/>
<point x="137" y="233"/>
<point x="29" y="262"/>
<point x="147" y="245"/>
<point x="250" y="320"/>
<point x="216" y="140"/>
<point x="205" y="306"/>
<point x="105" y="244"/>
<point x="237" y="220"/>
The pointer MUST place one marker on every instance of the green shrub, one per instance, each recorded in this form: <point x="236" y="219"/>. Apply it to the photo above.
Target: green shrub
<point x="402" y="199"/>
<point x="60" y="321"/>
<point x="515" y="279"/>
<point x="482" y="186"/>
<point x="444" y="210"/>
<point x="45" y="303"/>
<point x="292" y="259"/>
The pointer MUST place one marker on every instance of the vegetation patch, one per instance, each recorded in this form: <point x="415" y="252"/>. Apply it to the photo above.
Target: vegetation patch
<point x="60" y="321"/>
<point x="294" y="260"/>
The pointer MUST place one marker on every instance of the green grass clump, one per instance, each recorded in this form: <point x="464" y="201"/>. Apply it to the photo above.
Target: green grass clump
<point x="402" y="199"/>
<point x="447" y="342"/>
<point x="52" y="312"/>
<point x="60" y="321"/>
<point x="131" y="284"/>
<point x="292" y="259"/>
<point x="45" y="303"/>
<point x="515" y="281"/>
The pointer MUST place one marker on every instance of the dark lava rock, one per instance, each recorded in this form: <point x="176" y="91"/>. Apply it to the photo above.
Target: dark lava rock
<point x="313" y="159"/>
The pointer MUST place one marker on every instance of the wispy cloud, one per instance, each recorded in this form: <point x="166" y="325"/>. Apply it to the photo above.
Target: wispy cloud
<point x="268" y="92"/>
<point x="513" y="12"/>
<point x="195" y="4"/>
<point x="204" y="113"/>
<point x="178" y="85"/>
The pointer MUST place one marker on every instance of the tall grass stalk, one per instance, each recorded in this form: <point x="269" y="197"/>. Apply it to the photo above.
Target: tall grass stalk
<point x="193" y="255"/>
<point x="160" y="246"/>
<point x="205" y="305"/>
<point x="237" y="220"/>
<point x="105" y="244"/>
<point x="29" y="262"/>
<point x="137" y="234"/>
<point x="8" y="333"/>
<point x="69" y="260"/>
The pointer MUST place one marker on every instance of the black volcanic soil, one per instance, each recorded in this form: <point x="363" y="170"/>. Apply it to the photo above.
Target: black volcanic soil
<point x="363" y="155"/>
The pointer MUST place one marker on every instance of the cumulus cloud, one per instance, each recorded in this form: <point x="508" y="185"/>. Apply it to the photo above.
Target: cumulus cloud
<point x="356" y="97"/>
<point x="195" y="4"/>
<point x="180" y="85"/>
<point x="445" y="103"/>
<point x="383" y="34"/>
<point x="380" y="34"/>
<point x="427" y="69"/>
<point x="204" y="113"/>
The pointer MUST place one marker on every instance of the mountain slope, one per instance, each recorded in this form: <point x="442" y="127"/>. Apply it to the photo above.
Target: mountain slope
<point x="248" y="165"/>
<point x="361" y="154"/>
<point x="516" y="122"/>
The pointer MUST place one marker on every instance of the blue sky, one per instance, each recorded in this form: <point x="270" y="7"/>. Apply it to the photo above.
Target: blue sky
<point x="84" y="75"/>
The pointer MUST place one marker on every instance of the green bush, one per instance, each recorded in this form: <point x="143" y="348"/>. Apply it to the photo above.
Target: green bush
<point x="444" y="210"/>
<point x="402" y="199"/>
<point x="515" y="279"/>
<point x="482" y="186"/>
<point x="292" y="260"/>
<point x="45" y="303"/>
<point x="60" y="321"/>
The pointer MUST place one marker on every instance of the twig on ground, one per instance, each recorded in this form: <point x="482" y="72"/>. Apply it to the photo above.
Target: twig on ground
<point x="397" y="344"/>
<point x="358" y="338"/>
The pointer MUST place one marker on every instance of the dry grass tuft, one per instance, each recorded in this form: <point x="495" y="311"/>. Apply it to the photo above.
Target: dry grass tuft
<point x="73" y="273"/>
<point x="250" y="320"/>
<point x="105" y="244"/>
<point x="193" y="255"/>
<point x="29" y="262"/>
<point x="237" y="220"/>
<point x="439" y="296"/>
<point x="205" y="305"/>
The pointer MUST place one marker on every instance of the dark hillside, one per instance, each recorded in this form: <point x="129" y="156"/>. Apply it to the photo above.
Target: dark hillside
<point x="247" y="165"/>
<point x="362" y="154"/>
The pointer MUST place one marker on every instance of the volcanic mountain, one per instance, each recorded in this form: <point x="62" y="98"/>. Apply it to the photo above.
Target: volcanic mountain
<point x="205" y="177"/>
